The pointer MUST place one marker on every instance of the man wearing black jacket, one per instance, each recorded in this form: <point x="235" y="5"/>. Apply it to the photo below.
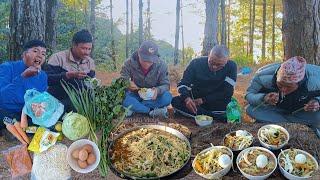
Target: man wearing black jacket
<point x="207" y="84"/>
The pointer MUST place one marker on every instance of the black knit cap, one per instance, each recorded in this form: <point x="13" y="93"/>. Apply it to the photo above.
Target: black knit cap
<point x="33" y="43"/>
<point x="82" y="36"/>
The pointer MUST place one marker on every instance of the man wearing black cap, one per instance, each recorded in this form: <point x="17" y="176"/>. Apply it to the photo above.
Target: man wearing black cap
<point x="16" y="77"/>
<point x="71" y="65"/>
<point x="144" y="69"/>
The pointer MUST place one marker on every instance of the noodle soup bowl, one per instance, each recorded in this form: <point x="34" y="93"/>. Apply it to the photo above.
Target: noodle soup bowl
<point x="291" y="176"/>
<point x="272" y="158"/>
<point x="238" y="140"/>
<point x="271" y="146"/>
<point x="218" y="174"/>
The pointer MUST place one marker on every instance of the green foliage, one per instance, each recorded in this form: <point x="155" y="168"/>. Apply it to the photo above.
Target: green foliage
<point x="4" y="29"/>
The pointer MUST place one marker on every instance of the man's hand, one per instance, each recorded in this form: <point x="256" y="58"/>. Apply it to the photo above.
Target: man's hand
<point x="29" y="72"/>
<point x="191" y="105"/>
<point x="271" y="98"/>
<point x="198" y="101"/>
<point x="133" y="86"/>
<point x="155" y="95"/>
<point x="76" y="74"/>
<point x="312" y="105"/>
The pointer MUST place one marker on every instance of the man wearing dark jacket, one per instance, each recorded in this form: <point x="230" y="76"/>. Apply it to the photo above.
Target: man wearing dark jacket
<point x="72" y="66"/>
<point x="145" y="69"/>
<point x="207" y="84"/>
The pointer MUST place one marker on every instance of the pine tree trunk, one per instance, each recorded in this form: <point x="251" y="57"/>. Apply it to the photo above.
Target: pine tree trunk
<point x="182" y="34"/>
<point x="131" y="30"/>
<point x="229" y="21"/>
<point x="93" y="23"/>
<point x="51" y="21"/>
<point x="27" y="22"/>
<point x="148" y="24"/>
<point x="176" y="39"/>
<point x="273" y="29"/>
<point x="113" y="53"/>
<point x="301" y="29"/>
<point x="223" y="22"/>
<point x="264" y="19"/>
<point x="140" y="22"/>
<point x="252" y="27"/>
<point x="127" y="28"/>
<point x="249" y="32"/>
<point x="211" y="26"/>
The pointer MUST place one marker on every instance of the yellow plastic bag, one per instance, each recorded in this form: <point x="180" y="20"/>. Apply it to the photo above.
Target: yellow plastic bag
<point x="42" y="140"/>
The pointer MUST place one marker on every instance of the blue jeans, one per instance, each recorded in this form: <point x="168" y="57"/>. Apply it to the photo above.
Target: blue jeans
<point x="141" y="106"/>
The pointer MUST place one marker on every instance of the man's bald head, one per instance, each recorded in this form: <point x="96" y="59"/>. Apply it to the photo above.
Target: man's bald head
<point x="218" y="57"/>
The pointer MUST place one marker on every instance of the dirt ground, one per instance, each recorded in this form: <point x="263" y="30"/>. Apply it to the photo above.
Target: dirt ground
<point x="200" y="137"/>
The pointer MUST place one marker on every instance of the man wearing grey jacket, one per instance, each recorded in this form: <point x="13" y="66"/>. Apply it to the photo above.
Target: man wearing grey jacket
<point x="287" y="92"/>
<point x="145" y="69"/>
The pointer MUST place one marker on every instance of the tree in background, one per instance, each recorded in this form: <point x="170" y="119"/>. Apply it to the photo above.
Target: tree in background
<point x="25" y="24"/>
<point x="182" y="34"/>
<point x="93" y="23"/>
<point x="51" y="23"/>
<point x="147" y="31"/>
<point x="252" y="26"/>
<point x="273" y="30"/>
<point x="4" y="30"/>
<point x="131" y="28"/>
<point x="113" y="53"/>
<point x="211" y="26"/>
<point x="140" y="22"/>
<point x="176" y="39"/>
<point x="264" y="17"/>
<point x="127" y="28"/>
<point x="223" y="23"/>
<point x="301" y="29"/>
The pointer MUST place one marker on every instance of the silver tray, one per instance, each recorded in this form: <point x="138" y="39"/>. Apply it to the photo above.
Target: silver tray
<point x="159" y="127"/>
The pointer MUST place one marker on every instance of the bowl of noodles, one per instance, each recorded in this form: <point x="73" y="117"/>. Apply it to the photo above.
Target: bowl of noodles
<point x="238" y="140"/>
<point x="273" y="136"/>
<point x="297" y="164"/>
<point x="256" y="163"/>
<point x="149" y="152"/>
<point x="213" y="162"/>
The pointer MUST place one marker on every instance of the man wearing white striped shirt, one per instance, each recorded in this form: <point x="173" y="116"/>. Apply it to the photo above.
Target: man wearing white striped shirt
<point x="207" y="84"/>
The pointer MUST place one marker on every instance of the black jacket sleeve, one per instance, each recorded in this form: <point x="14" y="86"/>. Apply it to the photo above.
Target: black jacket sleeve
<point x="227" y="88"/>
<point x="186" y="82"/>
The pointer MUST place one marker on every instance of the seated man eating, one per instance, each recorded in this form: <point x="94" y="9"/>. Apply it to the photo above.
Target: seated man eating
<point x="207" y="85"/>
<point x="287" y="92"/>
<point x="146" y="70"/>
<point x="16" y="77"/>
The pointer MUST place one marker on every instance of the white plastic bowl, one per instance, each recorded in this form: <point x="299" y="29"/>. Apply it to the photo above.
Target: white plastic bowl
<point x="291" y="176"/>
<point x="269" y="146"/>
<point x="251" y="177"/>
<point x="146" y="95"/>
<point x="203" y="122"/>
<point x="73" y="162"/>
<point x="218" y="174"/>
<point x="233" y="133"/>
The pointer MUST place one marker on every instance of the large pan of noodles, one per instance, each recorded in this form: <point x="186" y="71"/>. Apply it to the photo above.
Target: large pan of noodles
<point x="149" y="152"/>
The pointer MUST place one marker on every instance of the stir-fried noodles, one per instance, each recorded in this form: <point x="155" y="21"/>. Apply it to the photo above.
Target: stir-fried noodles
<point x="149" y="153"/>
<point x="238" y="141"/>
<point x="273" y="136"/>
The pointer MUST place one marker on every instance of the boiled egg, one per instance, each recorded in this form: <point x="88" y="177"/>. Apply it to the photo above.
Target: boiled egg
<point x="241" y="133"/>
<point x="300" y="158"/>
<point x="262" y="161"/>
<point x="224" y="160"/>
